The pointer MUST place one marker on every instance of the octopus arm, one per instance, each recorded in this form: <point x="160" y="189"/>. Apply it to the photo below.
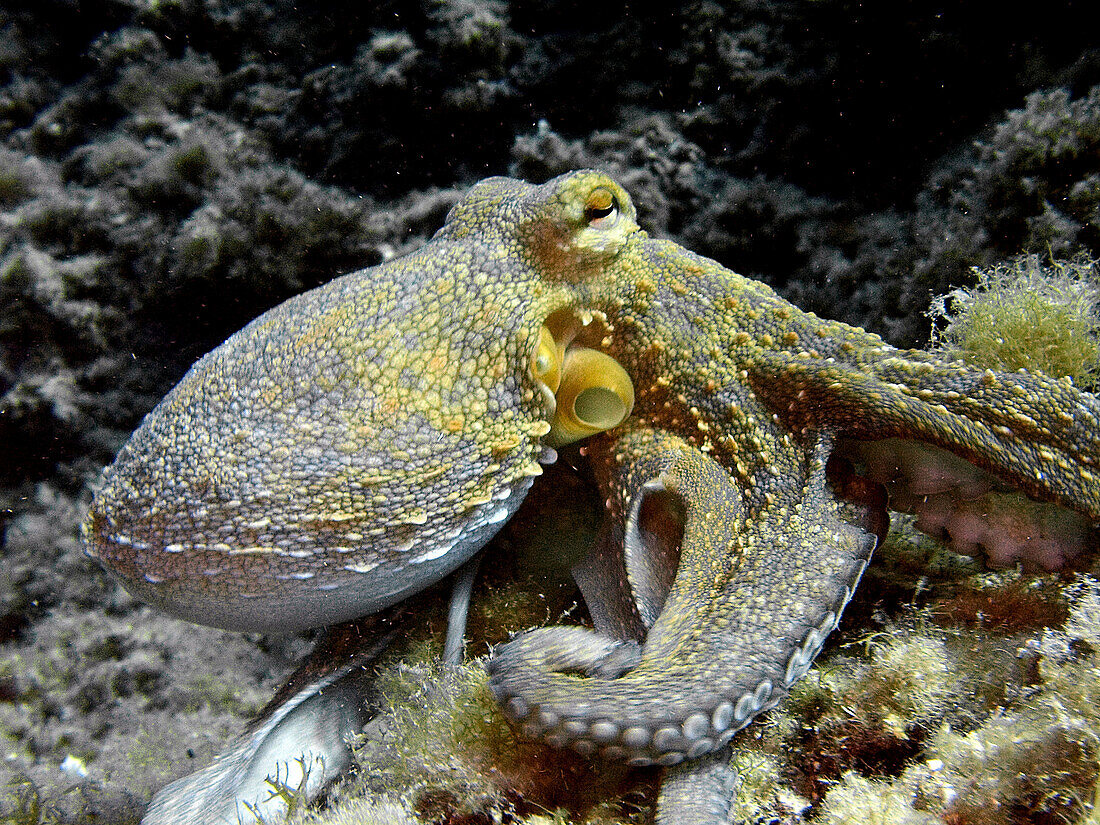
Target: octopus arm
<point x="749" y="607"/>
<point x="1033" y="433"/>
<point x="302" y="738"/>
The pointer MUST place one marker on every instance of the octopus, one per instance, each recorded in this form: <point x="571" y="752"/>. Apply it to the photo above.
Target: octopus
<point x="364" y="440"/>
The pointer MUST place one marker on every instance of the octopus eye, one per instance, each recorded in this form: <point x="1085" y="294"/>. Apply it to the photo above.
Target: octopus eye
<point x="601" y="210"/>
<point x="595" y="395"/>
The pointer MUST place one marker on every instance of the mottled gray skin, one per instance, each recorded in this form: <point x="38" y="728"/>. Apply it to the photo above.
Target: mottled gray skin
<point x="668" y="702"/>
<point x="754" y="394"/>
<point x="362" y="440"/>
<point x="349" y="447"/>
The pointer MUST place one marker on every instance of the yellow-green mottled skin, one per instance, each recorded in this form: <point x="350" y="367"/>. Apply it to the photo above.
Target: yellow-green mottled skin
<point x="362" y="440"/>
<point x="352" y="445"/>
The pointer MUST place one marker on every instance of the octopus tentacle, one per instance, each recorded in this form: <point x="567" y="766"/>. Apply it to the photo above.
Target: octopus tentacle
<point x="698" y="792"/>
<point x="740" y="624"/>
<point x="1038" y="434"/>
<point x="302" y="738"/>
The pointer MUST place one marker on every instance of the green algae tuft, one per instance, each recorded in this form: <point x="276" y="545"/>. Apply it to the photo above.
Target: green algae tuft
<point x="1026" y="314"/>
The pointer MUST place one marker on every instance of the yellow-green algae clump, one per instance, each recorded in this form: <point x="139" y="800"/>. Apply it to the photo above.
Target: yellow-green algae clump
<point x="1026" y="314"/>
<point x="1032" y="758"/>
<point x="439" y="750"/>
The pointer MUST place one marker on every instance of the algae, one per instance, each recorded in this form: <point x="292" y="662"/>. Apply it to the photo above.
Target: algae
<point x="1026" y="314"/>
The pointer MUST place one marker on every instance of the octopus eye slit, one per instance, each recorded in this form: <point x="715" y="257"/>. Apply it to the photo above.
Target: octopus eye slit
<point x="595" y="212"/>
<point x="601" y="209"/>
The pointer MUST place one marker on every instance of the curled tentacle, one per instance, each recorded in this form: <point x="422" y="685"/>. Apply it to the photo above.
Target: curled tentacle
<point x="959" y="446"/>
<point x="740" y="624"/>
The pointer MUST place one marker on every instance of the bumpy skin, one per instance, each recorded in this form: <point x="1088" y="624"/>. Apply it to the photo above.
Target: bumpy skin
<point x="753" y="384"/>
<point x="360" y="441"/>
<point x="754" y="599"/>
<point x="349" y="447"/>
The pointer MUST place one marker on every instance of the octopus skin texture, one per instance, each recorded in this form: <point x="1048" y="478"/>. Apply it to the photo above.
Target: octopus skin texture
<point x="361" y="441"/>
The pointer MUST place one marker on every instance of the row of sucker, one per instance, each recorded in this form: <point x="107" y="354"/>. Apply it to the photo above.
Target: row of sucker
<point x="619" y="720"/>
<point x="704" y="730"/>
